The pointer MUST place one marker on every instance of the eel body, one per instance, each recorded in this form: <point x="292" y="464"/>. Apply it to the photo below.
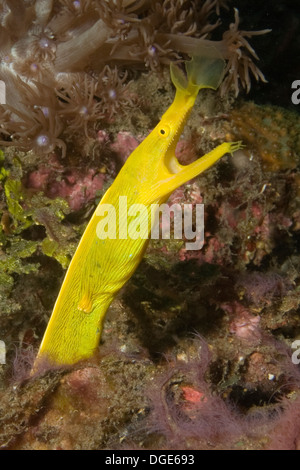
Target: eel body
<point x="103" y="263"/>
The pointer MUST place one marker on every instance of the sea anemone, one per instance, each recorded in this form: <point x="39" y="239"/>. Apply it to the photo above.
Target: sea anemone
<point x="77" y="102"/>
<point x="83" y="50"/>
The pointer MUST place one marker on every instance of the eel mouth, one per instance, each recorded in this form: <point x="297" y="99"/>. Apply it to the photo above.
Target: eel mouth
<point x="172" y="164"/>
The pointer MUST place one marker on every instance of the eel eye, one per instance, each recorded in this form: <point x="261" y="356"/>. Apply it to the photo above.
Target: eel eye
<point x="164" y="131"/>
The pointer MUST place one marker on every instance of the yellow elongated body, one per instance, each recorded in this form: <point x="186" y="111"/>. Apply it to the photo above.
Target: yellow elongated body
<point x="101" y="266"/>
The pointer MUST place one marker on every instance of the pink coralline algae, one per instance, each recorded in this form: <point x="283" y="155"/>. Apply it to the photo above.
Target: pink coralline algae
<point x="209" y="254"/>
<point x="185" y="151"/>
<point x="78" y="190"/>
<point x="80" y="186"/>
<point x="75" y="186"/>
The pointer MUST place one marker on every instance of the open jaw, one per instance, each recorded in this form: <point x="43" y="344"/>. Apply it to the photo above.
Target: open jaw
<point x="170" y="161"/>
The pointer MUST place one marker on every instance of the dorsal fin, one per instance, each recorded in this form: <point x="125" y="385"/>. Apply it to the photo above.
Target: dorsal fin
<point x="205" y="70"/>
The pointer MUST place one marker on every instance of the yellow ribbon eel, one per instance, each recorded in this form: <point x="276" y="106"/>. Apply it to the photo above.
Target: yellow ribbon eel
<point x="101" y="266"/>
